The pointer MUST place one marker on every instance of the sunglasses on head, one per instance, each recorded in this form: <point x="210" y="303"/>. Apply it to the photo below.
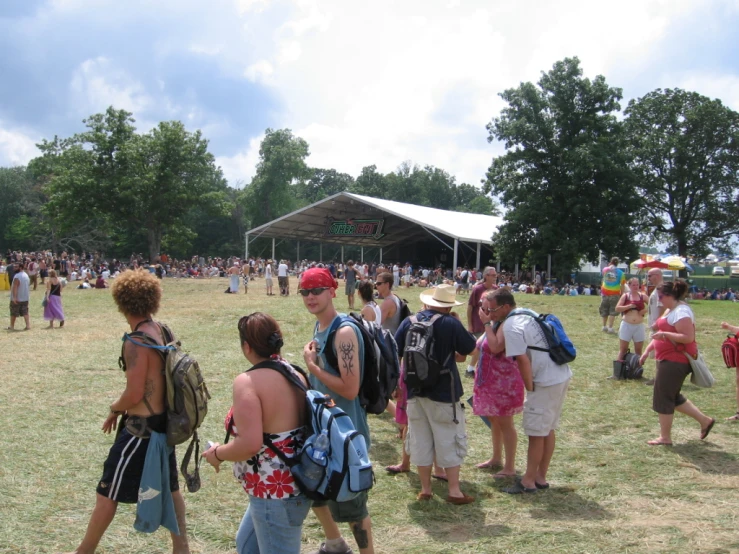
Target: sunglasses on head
<point x="315" y="292"/>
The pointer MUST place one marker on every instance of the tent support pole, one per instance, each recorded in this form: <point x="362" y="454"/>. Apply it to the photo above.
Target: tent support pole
<point x="477" y="263"/>
<point x="273" y="248"/>
<point x="456" y="246"/>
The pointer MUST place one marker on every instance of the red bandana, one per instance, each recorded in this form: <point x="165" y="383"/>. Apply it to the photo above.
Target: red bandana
<point x="318" y="277"/>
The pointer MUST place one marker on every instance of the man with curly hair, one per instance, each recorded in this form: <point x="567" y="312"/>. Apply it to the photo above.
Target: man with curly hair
<point x="142" y="404"/>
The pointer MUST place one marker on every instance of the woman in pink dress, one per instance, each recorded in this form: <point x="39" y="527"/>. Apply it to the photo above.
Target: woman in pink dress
<point x="498" y="393"/>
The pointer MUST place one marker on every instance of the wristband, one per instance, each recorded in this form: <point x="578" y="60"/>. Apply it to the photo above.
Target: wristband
<point x="215" y="453"/>
<point x="116" y="412"/>
<point x="487" y="324"/>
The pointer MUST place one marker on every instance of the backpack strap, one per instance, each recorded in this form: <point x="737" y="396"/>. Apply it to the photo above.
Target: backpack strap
<point x="290" y="376"/>
<point x="538" y="318"/>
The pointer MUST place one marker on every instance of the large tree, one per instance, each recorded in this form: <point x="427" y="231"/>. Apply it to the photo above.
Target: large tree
<point x="323" y="183"/>
<point x="273" y="191"/>
<point x="564" y="178"/>
<point x="684" y="150"/>
<point x="120" y="179"/>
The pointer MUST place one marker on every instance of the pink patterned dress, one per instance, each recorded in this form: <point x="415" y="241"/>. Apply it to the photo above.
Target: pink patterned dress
<point x="499" y="388"/>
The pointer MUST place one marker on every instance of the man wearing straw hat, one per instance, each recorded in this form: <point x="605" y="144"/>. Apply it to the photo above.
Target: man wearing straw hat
<point x="436" y="423"/>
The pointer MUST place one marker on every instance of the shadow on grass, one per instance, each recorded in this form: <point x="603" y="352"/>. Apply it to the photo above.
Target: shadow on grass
<point x="563" y="503"/>
<point x="707" y="459"/>
<point x="455" y="524"/>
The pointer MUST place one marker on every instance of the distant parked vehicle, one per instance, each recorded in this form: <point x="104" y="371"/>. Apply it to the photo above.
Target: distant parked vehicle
<point x="735" y="271"/>
<point x="718" y="270"/>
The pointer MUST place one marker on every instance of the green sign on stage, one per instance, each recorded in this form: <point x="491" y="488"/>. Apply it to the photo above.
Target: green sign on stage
<point x="355" y="228"/>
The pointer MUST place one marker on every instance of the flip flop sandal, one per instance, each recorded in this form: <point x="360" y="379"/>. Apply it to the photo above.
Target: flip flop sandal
<point x="542" y="486"/>
<point x="504" y="476"/>
<point x="658" y="442"/>
<point x="519" y="488"/>
<point x="396" y="469"/>
<point x="735" y="417"/>
<point x="440" y="477"/>
<point x="704" y="432"/>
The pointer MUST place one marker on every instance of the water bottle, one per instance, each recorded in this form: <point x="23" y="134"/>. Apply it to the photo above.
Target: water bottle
<point x="317" y="455"/>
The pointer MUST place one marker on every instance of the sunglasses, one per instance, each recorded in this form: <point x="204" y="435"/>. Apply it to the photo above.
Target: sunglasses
<point x="380" y="283"/>
<point x="315" y="292"/>
<point x="491" y="310"/>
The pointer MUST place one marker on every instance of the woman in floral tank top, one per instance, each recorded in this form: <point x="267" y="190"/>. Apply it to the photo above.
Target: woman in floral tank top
<point x="267" y="408"/>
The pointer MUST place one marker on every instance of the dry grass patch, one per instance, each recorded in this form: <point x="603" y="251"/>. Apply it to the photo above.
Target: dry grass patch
<point x="610" y="491"/>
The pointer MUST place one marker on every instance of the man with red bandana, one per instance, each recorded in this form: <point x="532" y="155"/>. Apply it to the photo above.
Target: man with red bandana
<point x="318" y="289"/>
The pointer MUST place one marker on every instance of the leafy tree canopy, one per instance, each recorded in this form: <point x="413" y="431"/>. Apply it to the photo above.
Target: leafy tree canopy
<point x="684" y="151"/>
<point x="117" y="178"/>
<point x="564" y="179"/>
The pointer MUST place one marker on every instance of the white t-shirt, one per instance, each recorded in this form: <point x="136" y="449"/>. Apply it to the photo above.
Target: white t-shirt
<point x="268" y="271"/>
<point x="521" y="331"/>
<point x="282" y="270"/>
<point x="23" y="293"/>
<point x="681" y="311"/>
<point x="655" y="306"/>
<point x="73" y="276"/>
<point x="106" y="274"/>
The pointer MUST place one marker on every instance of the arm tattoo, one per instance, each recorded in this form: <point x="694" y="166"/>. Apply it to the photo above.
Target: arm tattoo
<point x="148" y="388"/>
<point x="347" y="356"/>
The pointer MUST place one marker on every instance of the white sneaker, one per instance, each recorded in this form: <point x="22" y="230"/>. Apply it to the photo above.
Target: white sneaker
<point x="611" y="330"/>
<point x="605" y="329"/>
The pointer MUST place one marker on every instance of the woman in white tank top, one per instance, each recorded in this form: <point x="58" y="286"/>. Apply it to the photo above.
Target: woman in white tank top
<point x="370" y="310"/>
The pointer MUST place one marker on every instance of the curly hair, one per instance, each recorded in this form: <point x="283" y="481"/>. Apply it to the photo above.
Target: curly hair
<point x="137" y="293"/>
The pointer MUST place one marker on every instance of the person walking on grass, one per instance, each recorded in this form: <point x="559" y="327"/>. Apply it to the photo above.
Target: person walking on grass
<point x="499" y="392"/>
<point x="20" y="294"/>
<point x="436" y="420"/>
<point x="351" y="278"/>
<point x="318" y="289"/>
<point x="545" y="381"/>
<point x="655" y="307"/>
<point x="674" y="337"/>
<point x="474" y="323"/>
<point x="733" y="329"/>
<point x="268" y="413"/>
<point x="611" y="288"/>
<point x="632" y="306"/>
<point x="53" y="308"/>
<point x="137" y="294"/>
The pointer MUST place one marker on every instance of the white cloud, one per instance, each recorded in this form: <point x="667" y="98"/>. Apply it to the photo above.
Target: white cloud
<point x="16" y="147"/>
<point x="724" y="87"/>
<point x="97" y="84"/>
<point x="259" y="71"/>
<point x="241" y="167"/>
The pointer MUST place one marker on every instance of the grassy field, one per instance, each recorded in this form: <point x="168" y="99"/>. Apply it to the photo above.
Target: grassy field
<point x="610" y="491"/>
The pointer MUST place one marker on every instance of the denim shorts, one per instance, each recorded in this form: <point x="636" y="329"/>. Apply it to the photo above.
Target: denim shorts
<point x="272" y="526"/>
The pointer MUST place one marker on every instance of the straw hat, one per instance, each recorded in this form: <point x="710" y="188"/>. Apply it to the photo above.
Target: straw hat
<point x="442" y="296"/>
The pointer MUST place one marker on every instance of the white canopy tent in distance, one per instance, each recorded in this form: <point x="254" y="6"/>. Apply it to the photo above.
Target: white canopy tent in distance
<point x="399" y="232"/>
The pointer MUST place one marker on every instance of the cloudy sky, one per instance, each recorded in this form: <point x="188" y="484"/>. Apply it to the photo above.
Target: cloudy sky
<point x="363" y="82"/>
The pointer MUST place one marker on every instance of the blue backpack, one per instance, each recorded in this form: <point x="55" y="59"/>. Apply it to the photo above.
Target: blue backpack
<point x="561" y="350"/>
<point x="347" y="470"/>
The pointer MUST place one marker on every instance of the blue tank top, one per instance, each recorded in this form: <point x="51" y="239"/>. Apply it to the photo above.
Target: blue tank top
<point x="351" y="407"/>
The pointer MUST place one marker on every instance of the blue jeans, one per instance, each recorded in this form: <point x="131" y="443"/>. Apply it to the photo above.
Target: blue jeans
<point x="272" y="526"/>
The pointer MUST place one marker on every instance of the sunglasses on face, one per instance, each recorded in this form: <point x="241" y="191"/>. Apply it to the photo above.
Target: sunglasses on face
<point x="491" y="310"/>
<point x="315" y="292"/>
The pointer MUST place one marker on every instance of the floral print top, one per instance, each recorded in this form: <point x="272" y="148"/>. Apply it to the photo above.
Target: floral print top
<point x="265" y="475"/>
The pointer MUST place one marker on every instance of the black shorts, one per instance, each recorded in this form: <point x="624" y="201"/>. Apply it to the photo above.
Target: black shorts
<point x="19" y="309"/>
<point x="123" y="469"/>
<point x="667" y="384"/>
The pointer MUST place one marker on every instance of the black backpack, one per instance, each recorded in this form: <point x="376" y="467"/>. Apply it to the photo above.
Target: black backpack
<point x="405" y="310"/>
<point x="422" y="369"/>
<point x="629" y="368"/>
<point x="381" y="364"/>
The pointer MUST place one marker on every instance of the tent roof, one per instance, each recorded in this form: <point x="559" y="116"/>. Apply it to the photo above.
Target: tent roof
<point x="403" y="222"/>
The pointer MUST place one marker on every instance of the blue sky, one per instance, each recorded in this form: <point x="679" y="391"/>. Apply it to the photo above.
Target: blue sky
<point x="363" y="83"/>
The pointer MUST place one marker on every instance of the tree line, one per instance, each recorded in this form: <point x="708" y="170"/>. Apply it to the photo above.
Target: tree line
<point x="578" y="177"/>
<point x="112" y="189"/>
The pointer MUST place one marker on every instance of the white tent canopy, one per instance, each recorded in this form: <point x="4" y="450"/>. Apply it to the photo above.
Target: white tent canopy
<point x="352" y="219"/>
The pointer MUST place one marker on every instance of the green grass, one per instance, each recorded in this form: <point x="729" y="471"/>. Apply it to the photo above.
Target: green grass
<point x="610" y="491"/>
